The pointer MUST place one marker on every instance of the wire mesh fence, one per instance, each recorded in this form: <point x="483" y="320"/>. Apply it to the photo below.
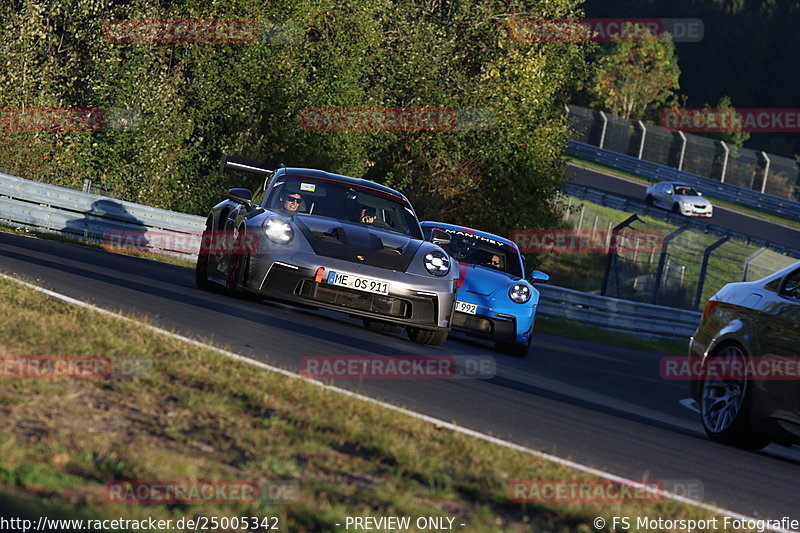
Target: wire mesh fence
<point x="699" y="155"/>
<point x="652" y="261"/>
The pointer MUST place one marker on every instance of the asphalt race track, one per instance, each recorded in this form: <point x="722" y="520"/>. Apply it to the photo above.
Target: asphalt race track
<point x="634" y="191"/>
<point x="596" y="404"/>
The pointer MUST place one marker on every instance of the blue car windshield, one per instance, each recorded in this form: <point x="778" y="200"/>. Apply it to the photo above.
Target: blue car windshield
<point x="356" y="204"/>
<point x="475" y="249"/>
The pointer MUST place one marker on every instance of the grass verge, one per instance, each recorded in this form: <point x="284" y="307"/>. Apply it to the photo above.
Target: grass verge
<point x="177" y="412"/>
<point x="717" y="202"/>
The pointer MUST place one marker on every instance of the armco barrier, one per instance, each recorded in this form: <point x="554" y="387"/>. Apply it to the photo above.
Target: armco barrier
<point x="48" y="207"/>
<point x="623" y="204"/>
<point x="41" y="206"/>
<point x="656" y="172"/>
<point x="613" y="314"/>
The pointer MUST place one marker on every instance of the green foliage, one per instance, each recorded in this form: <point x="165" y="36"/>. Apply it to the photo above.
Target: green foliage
<point x="736" y="138"/>
<point x="636" y="74"/>
<point x="192" y="101"/>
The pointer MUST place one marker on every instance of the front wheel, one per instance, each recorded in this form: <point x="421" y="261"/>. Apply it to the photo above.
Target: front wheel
<point x="649" y="200"/>
<point x="725" y="400"/>
<point x="201" y="268"/>
<point x="426" y="336"/>
<point x="676" y="209"/>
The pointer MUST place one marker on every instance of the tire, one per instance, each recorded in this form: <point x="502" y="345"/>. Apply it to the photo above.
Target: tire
<point x="649" y="200"/>
<point x="237" y="263"/>
<point x="201" y="268"/>
<point x="426" y="336"/>
<point x="675" y="209"/>
<point x="725" y="404"/>
<point x="381" y="326"/>
<point x="514" y="348"/>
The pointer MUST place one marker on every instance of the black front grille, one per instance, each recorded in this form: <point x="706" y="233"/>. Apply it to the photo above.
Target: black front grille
<point x="353" y="299"/>
<point x="471" y="322"/>
<point x="496" y="328"/>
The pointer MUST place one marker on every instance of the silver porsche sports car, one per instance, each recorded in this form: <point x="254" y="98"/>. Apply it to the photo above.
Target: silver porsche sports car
<point x="323" y="240"/>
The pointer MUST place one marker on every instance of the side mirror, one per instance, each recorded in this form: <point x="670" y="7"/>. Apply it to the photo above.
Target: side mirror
<point x="699" y="193"/>
<point x="439" y="237"/>
<point x="241" y="196"/>
<point x="669" y="191"/>
<point x="539" y="276"/>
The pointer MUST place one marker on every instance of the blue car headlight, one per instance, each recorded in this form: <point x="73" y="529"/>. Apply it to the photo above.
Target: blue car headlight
<point x="437" y="263"/>
<point x="278" y="230"/>
<point x="520" y="293"/>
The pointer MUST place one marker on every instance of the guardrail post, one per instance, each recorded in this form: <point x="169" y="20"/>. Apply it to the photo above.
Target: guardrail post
<point x="644" y="134"/>
<point x="766" y="172"/>
<point x="702" y="279"/>
<point x="749" y="260"/>
<point x="612" y="249"/>
<point x="724" y="161"/>
<point x="603" y="133"/>
<point x="662" y="260"/>
<point x="683" y="150"/>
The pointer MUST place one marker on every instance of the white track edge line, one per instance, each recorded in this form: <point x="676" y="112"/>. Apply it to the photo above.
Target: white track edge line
<point x="448" y="425"/>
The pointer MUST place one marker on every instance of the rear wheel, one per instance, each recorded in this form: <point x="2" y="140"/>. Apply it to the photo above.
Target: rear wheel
<point x="426" y="336"/>
<point x="725" y="400"/>
<point x="381" y="326"/>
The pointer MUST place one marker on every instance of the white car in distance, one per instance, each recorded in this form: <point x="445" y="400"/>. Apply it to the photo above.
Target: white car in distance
<point x="679" y="198"/>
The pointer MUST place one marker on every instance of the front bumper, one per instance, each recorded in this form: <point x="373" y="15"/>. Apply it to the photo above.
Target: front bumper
<point x="697" y="211"/>
<point x="491" y="323"/>
<point x="425" y="303"/>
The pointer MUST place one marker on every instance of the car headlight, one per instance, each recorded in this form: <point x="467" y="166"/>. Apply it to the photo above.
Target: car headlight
<point x="520" y="293"/>
<point x="278" y="230"/>
<point x="437" y="263"/>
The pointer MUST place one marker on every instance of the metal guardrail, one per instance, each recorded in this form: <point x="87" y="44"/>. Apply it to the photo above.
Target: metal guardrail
<point x="623" y="204"/>
<point x="656" y="172"/>
<point x="46" y="207"/>
<point x="613" y="314"/>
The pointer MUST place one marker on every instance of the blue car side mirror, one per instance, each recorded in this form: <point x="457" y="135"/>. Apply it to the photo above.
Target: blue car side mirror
<point x="538" y="275"/>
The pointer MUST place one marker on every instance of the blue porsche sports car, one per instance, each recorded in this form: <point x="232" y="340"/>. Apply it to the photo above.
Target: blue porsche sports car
<point x="494" y="300"/>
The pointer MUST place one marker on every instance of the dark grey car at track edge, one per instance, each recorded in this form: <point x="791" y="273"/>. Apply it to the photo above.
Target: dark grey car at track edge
<point x="324" y="256"/>
<point x="754" y="326"/>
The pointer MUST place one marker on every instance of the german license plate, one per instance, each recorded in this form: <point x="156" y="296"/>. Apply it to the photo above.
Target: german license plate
<point x="359" y="283"/>
<point x="464" y="307"/>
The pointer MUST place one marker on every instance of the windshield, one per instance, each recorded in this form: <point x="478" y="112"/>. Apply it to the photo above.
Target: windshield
<point x="685" y="191"/>
<point x="474" y="249"/>
<point x="325" y="197"/>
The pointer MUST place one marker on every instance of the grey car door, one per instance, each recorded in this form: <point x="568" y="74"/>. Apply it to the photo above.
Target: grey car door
<point x="780" y="339"/>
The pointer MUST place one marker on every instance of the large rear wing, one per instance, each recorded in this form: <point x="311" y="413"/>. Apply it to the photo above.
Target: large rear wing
<point x="232" y="162"/>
